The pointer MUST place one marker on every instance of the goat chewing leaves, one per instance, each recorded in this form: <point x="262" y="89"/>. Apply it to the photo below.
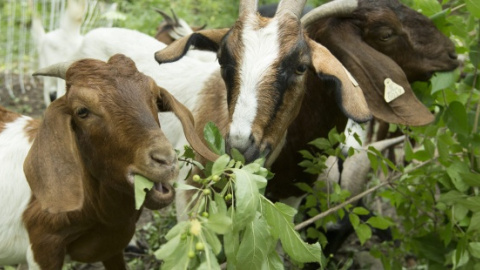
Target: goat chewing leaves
<point x="142" y="185"/>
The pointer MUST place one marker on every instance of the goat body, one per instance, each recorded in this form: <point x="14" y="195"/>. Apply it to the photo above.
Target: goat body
<point x="80" y="163"/>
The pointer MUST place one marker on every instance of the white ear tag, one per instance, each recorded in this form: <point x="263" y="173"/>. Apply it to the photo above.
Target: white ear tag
<point x="352" y="79"/>
<point x="392" y="90"/>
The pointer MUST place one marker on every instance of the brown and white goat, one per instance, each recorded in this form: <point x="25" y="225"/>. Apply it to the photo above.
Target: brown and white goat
<point x="375" y="40"/>
<point x="80" y="163"/>
<point x="264" y="64"/>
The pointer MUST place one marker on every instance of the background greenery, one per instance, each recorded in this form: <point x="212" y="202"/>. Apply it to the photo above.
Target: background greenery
<point x="435" y="193"/>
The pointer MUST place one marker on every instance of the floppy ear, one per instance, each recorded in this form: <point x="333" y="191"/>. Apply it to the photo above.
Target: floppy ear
<point x="167" y="102"/>
<point x="348" y="94"/>
<point x="379" y="76"/>
<point x="208" y="40"/>
<point x="53" y="167"/>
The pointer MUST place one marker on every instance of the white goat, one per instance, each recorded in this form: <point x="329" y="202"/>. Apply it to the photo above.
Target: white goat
<point x="58" y="45"/>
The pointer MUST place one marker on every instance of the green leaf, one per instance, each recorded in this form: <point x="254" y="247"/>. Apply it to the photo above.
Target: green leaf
<point x="473" y="7"/>
<point x="279" y="217"/>
<point x="379" y="222"/>
<point x="363" y="233"/>
<point x="254" y="246"/>
<point x="231" y="242"/>
<point x="220" y="164"/>
<point x="273" y="262"/>
<point x="212" y="239"/>
<point x="455" y="171"/>
<point x="474" y="249"/>
<point x="442" y="80"/>
<point x="321" y="143"/>
<point x="214" y="138"/>
<point x="474" y="223"/>
<point x="167" y="250"/>
<point x="408" y="151"/>
<point x="456" y="118"/>
<point x="360" y="211"/>
<point x="181" y="227"/>
<point x="354" y="220"/>
<point x="246" y="198"/>
<point x="209" y="263"/>
<point x="141" y="185"/>
<point x="219" y="223"/>
<point x="236" y="155"/>
<point x="183" y="186"/>
<point x="306" y="154"/>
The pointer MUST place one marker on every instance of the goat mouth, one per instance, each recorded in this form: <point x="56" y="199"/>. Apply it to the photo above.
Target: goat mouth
<point x="160" y="196"/>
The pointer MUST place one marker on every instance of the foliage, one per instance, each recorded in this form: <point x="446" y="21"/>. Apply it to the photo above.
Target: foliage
<point x="435" y="194"/>
<point x="230" y="219"/>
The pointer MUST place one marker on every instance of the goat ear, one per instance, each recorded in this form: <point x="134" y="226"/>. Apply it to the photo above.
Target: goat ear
<point x="349" y="95"/>
<point x="53" y="167"/>
<point x="208" y="40"/>
<point x="167" y="102"/>
<point x="377" y="73"/>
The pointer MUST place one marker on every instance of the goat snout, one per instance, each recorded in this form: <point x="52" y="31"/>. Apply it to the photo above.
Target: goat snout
<point x="164" y="158"/>
<point x="453" y="55"/>
<point x="251" y="150"/>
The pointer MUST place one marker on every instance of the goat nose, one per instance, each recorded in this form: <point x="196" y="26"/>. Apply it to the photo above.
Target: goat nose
<point x="453" y="55"/>
<point x="165" y="158"/>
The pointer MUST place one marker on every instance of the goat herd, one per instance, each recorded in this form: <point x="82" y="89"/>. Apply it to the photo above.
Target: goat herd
<point x="271" y="85"/>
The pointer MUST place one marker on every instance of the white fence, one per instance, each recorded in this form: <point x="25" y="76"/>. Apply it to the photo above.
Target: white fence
<point x="18" y="55"/>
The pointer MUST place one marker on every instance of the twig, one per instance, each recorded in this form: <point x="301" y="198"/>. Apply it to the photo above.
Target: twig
<point x="357" y="197"/>
<point x="338" y="207"/>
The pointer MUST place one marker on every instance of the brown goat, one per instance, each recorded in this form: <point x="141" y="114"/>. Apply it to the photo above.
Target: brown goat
<point x="82" y="163"/>
<point x="375" y="41"/>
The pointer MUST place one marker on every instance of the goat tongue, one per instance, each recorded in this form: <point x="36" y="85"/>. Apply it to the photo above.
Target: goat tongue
<point x="161" y="188"/>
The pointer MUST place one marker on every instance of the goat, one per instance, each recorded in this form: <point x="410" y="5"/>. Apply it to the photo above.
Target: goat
<point x="173" y="28"/>
<point x="410" y="51"/>
<point x="353" y="37"/>
<point x="58" y="45"/>
<point x="80" y="163"/>
<point x="270" y="60"/>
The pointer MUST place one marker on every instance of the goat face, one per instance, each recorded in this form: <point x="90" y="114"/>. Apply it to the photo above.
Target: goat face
<point x="264" y="63"/>
<point x="408" y="37"/>
<point x="135" y="145"/>
<point x="105" y="130"/>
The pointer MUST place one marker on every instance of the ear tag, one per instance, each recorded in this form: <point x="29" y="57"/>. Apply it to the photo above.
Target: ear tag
<point x="392" y="90"/>
<point x="352" y="79"/>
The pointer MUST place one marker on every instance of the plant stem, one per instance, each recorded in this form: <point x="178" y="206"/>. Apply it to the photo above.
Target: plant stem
<point x="357" y="197"/>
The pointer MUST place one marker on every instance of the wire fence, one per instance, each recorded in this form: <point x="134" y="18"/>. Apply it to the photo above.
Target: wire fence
<point x="18" y="52"/>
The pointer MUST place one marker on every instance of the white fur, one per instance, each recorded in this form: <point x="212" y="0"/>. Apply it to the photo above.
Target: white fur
<point x="15" y="191"/>
<point x="261" y="48"/>
<point x="351" y="129"/>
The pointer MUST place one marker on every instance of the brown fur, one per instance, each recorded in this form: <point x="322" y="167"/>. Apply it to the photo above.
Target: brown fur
<point x="6" y="117"/>
<point x="80" y="169"/>
<point x="416" y="50"/>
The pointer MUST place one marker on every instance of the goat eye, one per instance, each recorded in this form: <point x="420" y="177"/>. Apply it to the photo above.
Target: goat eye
<point x="83" y="112"/>
<point x="386" y="36"/>
<point x="301" y="69"/>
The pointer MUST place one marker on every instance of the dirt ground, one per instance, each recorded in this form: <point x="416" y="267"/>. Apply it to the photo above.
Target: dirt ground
<point x="29" y="103"/>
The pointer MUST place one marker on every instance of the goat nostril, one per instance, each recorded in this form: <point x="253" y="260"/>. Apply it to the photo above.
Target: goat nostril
<point x="453" y="55"/>
<point x="162" y="159"/>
